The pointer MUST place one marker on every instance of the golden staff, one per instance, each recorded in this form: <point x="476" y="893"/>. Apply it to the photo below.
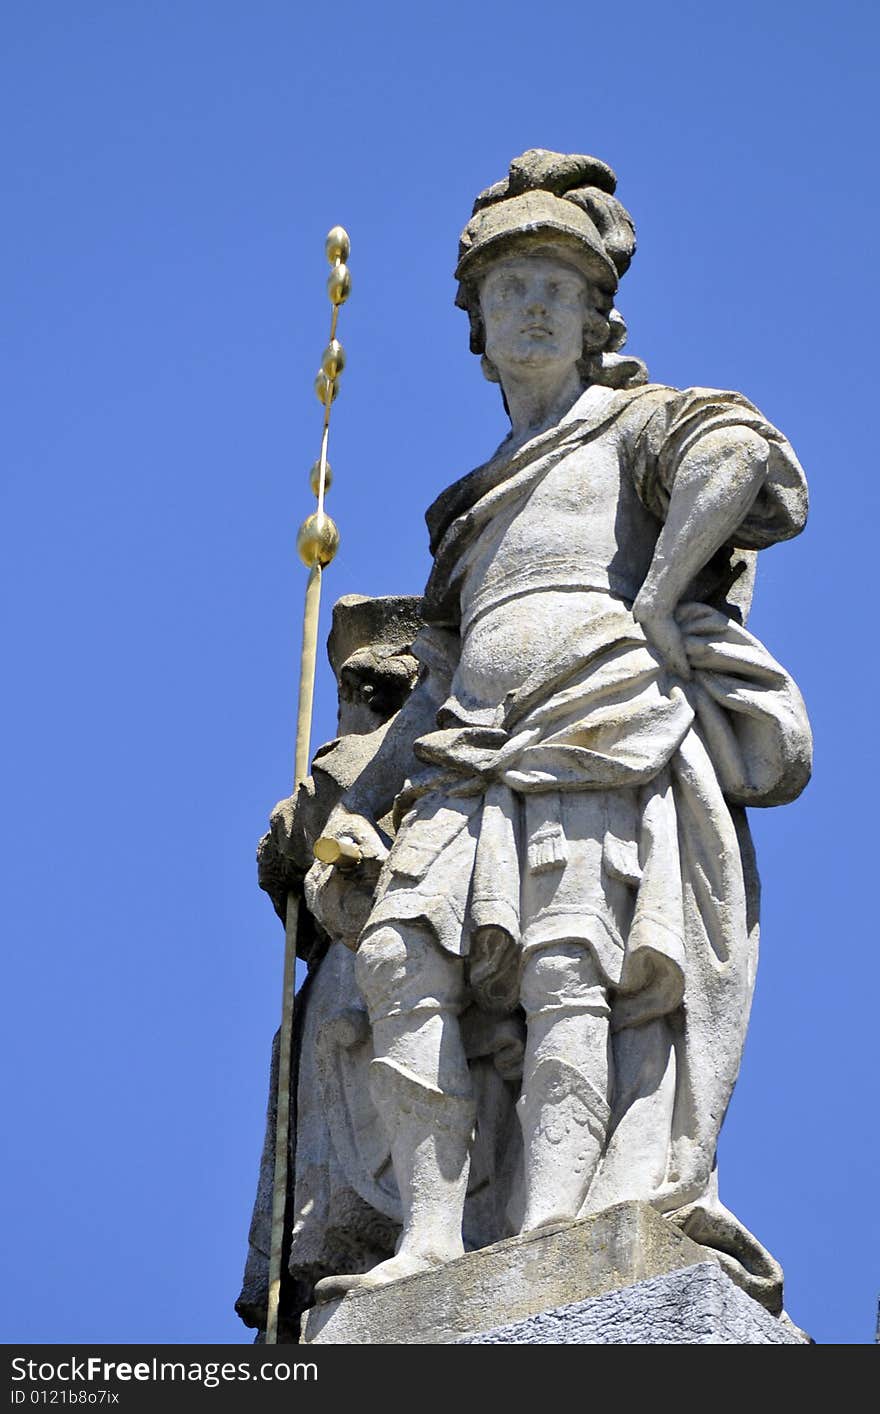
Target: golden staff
<point x="316" y="543"/>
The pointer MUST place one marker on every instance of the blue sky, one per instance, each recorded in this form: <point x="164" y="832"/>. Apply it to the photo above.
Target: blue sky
<point x="171" y="170"/>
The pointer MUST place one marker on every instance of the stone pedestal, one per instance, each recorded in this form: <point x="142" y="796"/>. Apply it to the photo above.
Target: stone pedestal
<point x="699" y="1305"/>
<point x="623" y="1276"/>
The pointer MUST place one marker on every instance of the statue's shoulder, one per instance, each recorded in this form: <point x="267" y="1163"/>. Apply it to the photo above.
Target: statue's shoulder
<point x="662" y="415"/>
<point x="671" y="420"/>
<point x="678" y="402"/>
<point x="628" y="411"/>
<point x="655" y="400"/>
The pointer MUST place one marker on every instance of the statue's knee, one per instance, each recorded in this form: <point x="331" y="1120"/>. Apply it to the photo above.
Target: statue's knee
<point x="402" y="971"/>
<point x="563" y="977"/>
<point x="380" y="966"/>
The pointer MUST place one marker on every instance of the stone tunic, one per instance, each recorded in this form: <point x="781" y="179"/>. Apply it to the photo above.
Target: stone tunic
<point x="572" y="791"/>
<point x="541" y="585"/>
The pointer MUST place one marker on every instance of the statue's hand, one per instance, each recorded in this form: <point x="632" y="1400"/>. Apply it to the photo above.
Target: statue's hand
<point x="339" y="889"/>
<point x="281" y="826"/>
<point x="360" y="844"/>
<point x="663" y="633"/>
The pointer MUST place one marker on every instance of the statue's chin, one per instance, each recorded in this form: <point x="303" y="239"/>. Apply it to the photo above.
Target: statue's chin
<point x="539" y="364"/>
<point x="537" y="355"/>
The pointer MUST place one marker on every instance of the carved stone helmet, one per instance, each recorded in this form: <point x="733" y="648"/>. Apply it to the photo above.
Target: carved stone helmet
<point x="566" y="200"/>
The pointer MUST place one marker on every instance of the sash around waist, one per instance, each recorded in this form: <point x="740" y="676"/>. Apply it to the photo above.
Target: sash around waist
<point x="554" y="573"/>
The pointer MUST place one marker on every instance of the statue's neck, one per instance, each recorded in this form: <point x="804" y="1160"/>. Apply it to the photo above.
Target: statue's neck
<point x="536" y="403"/>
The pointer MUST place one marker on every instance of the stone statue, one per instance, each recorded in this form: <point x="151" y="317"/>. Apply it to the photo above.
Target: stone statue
<point x="552" y="830"/>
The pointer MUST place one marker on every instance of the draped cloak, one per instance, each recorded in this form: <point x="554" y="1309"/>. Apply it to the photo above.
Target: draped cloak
<point x="605" y="803"/>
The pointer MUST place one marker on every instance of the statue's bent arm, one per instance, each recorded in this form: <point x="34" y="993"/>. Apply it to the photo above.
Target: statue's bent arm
<point x="717" y="482"/>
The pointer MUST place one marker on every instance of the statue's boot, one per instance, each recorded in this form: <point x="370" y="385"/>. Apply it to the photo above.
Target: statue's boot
<point x="564" y="1121"/>
<point x="431" y="1134"/>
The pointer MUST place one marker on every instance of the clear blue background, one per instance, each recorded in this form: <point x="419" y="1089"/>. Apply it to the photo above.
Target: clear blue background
<point x="171" y="170"/>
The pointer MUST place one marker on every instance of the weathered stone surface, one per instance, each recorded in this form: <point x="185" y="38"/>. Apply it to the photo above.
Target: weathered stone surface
<point x="544" y="869"/>
<point x="698" y="1305"/>
<point x="515" y="1279"/>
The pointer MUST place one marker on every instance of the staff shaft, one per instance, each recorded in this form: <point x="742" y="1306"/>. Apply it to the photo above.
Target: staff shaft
<point x="316" y="543"/>
<point x="308" y="660"/>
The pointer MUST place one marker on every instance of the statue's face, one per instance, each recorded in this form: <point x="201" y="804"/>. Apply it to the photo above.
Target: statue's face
<point x="533" y="309"/>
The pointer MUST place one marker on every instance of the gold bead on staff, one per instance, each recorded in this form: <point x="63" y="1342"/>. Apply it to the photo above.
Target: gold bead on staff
<point x="317" y="542"/>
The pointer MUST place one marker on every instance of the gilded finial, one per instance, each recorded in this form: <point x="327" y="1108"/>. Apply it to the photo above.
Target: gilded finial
<point x="318" y="538"/>
<point x="337" y="244"/>
<point x="339" y="284"/>
<point x="315" y="477"/>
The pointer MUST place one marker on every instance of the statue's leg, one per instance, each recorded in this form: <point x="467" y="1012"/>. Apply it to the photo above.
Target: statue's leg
<point x="421" y="1086"/>
<point x="563" y="1109"/>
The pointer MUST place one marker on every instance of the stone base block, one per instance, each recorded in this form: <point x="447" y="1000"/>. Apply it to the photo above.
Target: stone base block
<point x="697" y="1306"/>
<point x="513" y="1282"/>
